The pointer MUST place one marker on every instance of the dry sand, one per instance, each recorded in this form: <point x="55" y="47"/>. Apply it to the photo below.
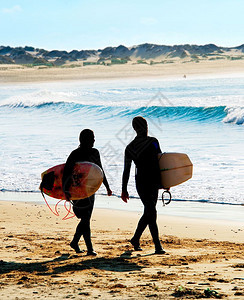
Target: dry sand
<point x="203" y="258"/>
<point x="18" y="73"/>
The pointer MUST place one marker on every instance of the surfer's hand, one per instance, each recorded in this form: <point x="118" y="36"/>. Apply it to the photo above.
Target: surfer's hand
<point x="109" y="192"/>
<point x="125" y="196"/>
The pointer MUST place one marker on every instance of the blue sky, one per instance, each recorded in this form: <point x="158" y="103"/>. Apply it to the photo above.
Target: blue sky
<point x="94" y="24"/>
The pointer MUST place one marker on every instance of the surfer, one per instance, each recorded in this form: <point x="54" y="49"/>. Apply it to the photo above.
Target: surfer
<point x="143" y="151"/>
<point x="83" y="208"/>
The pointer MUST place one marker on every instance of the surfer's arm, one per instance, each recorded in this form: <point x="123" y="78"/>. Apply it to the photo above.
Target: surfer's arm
<point x="105" y="181"/>
<point x="126" y="175"/>
<point x="66" y="182"/>
<point x="157" y="146"/>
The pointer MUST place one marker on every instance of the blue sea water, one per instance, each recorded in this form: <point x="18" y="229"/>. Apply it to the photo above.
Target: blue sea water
<point x="203" y="117"/>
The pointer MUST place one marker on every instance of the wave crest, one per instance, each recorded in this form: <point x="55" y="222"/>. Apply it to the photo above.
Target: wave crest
<point x="235" y="115"/>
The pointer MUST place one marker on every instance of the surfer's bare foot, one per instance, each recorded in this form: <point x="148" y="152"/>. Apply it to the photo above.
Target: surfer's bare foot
<point x="76" y="247"/>
<point x="91" y="252"/>
<point x="160" y="251"/>
<point x="136" y="245"/>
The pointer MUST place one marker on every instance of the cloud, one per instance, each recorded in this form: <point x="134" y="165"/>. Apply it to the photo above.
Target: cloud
<point x="11" y="10"/>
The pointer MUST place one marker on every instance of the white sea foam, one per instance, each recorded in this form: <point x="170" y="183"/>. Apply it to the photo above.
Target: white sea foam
<point x="196" y="93"/>
<point x="36" y="98"/>
<point x="235" y="115"/>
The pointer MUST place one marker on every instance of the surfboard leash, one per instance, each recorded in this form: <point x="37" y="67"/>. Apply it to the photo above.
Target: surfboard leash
<point x="55" y="211"/>
<point x="170" y="197"/>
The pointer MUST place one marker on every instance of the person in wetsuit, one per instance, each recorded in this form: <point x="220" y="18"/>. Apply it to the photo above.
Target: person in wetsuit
<point x="143" y="151"/>
<point x="83" y="208"/>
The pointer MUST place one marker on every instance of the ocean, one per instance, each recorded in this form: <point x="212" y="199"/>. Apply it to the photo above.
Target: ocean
<point x="203" y="117"/>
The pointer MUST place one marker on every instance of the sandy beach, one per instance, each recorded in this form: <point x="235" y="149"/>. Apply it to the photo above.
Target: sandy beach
<point x="178" y="69"/>
<point x="204" y="258"/>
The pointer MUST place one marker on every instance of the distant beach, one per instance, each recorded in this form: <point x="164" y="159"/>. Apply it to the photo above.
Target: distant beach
<point x="179" y="69"/>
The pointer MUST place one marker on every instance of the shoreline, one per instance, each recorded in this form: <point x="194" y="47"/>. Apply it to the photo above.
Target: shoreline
<point x="180" y="70"/>
<point x="37" y="262"/>
<point x="182" y="226"/>
<point x="232" y="213"/>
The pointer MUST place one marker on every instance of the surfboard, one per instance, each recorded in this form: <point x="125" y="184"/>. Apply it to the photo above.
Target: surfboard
<point x="175" y="168"/>
<point x="86" y="179"/>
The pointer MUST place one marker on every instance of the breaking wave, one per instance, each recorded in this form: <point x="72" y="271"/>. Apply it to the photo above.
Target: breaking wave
<point x="233" y="115"/>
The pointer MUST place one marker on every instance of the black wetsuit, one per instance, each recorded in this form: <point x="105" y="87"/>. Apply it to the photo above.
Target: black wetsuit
<point x="82" y="208"/>
<point x="143" y="150"/>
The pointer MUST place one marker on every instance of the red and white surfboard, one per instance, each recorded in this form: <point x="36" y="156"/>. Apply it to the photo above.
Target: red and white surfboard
<point x="86" y="179"/>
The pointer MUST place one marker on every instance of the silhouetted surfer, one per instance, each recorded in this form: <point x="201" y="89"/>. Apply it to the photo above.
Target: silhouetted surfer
<point x="143" y="150"/>
<point x="83" y="208"/>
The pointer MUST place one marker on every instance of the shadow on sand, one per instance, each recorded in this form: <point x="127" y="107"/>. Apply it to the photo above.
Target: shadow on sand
<point x="63" y="264"/>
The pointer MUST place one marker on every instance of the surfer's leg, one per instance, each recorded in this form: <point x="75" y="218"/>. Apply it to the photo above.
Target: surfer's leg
<point x="83" y="228"/>
<point x="142" y="224"/>
<point x="76" y="238"/>
<point x="135" y="241"/>
<point x="152" y="217"/>
<point x="87" y="229"/>
<point x="149" y="197"/>
<point x="79" y="231"/>
<point x="152" y="223"/>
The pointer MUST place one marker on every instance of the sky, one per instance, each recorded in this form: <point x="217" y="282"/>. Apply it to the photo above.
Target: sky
<point x="96" y="24"/>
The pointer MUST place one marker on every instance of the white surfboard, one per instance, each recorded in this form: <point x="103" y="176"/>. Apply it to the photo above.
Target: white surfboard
<point x="175" y="168"/>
